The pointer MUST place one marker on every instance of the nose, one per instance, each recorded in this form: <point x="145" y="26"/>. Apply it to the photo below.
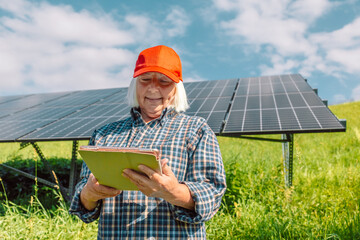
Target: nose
<point x="154" y="81"/>
<point x="154" y="85"/>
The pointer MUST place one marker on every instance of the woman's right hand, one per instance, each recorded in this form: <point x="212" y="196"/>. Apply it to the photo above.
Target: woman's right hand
<point x="93" y="191"/>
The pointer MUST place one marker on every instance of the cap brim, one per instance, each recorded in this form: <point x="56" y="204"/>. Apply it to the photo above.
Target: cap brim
<point x="157" y="69"/>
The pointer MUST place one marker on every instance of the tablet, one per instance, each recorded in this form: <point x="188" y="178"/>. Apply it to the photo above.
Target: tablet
<point x="107" y="163"/>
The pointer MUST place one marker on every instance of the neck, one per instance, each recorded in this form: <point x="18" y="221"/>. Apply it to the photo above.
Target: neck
<point x="147" y="117"/>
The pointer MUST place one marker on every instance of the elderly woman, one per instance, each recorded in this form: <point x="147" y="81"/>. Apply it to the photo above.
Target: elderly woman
<point x="176" y="203"/>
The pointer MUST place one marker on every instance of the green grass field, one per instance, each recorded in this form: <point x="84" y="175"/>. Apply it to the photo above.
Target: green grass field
<point x="324" y="202"/>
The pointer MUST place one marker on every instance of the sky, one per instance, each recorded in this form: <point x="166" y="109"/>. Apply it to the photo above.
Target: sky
<point x="55" y="46"/>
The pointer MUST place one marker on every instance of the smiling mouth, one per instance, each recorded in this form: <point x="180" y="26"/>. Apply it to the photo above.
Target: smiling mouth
<point x="153" y="99"/>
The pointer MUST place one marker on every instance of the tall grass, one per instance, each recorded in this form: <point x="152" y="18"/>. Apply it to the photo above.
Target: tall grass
<point x="36" y="222"/>
<point x="324" y="202"/>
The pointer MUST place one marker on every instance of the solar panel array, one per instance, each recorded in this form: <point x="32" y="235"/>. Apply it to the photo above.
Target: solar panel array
<point x="274" y="104"/>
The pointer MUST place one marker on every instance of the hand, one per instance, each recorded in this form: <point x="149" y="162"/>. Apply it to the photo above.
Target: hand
<point x="93" y="191"/>
<point x="164" y="186"/>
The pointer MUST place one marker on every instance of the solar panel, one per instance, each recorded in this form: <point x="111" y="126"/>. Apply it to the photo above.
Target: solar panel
<point x="278" y="104"/>
<point x="12" y="130"/>
<point x="13" y="104"/>
<point x="210" y="100"/>
<point x="4" y="99"/>
<point x="69" y="129"/>
<point x="97" y="108"/>
<point x="31" y="114"/>
<point x="258" y="105"/>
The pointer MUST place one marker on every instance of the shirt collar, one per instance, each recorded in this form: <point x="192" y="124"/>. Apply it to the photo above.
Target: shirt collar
<point x="165" y="115"/>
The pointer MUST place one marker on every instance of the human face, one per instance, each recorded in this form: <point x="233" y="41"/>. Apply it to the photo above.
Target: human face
<point x="154" y="92"/>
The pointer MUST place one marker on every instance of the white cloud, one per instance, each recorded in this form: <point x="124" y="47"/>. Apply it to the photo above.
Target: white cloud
<point x="224" y="5"/>
<point x="349" y="59"/>
<point x="339" y="98"/>
<point x="178" y="21"/>
<point x="309" y="10"/>
<point x="282" y="28"/>
<point x="63" y="24"/>
<point x="47" y="47"/>
<point x="194" y="78"/>
<point x="341" y="47"/>
<point x="18" y="6"/>
<point x="279" y="66"/>
<point x="355" y="95"/>
<point x="145" y="30"/>
<point x="276" y="23"/>
<point x="345" y="37"/>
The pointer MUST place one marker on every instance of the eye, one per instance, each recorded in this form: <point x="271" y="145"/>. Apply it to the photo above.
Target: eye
<point x="165" y="81"/>
<point x="145" y="80"/>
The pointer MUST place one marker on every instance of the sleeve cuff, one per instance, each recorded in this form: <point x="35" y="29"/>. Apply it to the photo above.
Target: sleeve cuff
<point x="184" y="215"/>
<point x="203" y="199"/>
<point x="76" y="208"/>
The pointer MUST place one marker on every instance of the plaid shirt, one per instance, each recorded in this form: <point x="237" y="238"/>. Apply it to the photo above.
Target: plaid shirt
<point x="194" y="157"/>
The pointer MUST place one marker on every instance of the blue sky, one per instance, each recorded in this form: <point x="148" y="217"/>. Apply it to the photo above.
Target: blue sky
<point x="51" y="46"/>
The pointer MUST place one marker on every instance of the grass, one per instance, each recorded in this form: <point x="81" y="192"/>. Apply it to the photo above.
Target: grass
<point x="324" y="202"/>
<point x="36" y="222"/>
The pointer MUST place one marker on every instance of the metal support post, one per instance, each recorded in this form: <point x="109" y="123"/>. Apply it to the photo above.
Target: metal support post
<point x="39" y="152"/>
<point x="73" y="169"/>
<point x="24" y="145"/>
<point x="28" y="175"/>
<point x="288" y="154"/>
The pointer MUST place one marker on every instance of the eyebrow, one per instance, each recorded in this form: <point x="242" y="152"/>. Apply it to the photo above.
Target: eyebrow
<point x="145" y="75"/>
<point x="149" y="75"/>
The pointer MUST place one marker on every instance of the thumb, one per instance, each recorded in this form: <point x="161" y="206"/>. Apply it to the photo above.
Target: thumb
<point x="93" y="178"/>
<point x="164" y="167"/>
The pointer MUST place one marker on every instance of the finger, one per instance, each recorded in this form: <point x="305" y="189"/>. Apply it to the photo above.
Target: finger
<point x="92" y="178"/>
<point x="135" y="177"/>
<point x="151" y="173"/>
<point x="108" y="190"/>
<point x="102" y="189"/>
<point x="166" y="169"/>
<point x="164" y="161"/>
<point x="136" y="182"/>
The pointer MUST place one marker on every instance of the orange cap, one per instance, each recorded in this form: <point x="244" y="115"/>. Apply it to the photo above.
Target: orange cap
<point x="160" y="59"/>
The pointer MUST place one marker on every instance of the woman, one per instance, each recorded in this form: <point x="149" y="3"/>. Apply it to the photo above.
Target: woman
<point x="176" y="203"/>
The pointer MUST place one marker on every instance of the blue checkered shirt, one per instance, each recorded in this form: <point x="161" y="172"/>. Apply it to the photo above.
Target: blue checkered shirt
<point x="194" y="157"/>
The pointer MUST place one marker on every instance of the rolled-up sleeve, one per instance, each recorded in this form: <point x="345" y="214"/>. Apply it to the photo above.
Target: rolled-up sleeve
<point x="205" y="178"/>
<point x="76" y="206"/>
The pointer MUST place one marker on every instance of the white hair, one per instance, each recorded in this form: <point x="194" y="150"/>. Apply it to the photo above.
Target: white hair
<point x="179" y="103"/>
